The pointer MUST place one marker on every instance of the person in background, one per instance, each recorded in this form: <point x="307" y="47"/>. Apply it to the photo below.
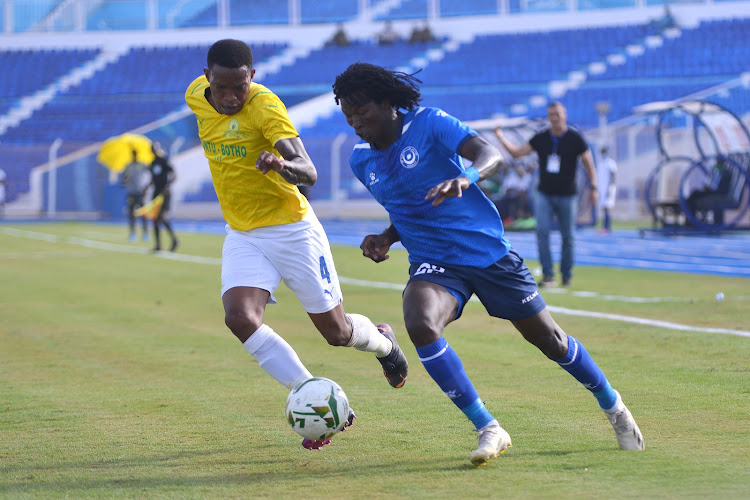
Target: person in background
<point x="162" y="177"/>
<point x="410" y="158"/>
<point x="514" y="197"/>
<point x="421" y="33"/>
<point x="388" y="34"/>
<point x="257" y="160"/>
<point x="132" y="179"/>
<point x="608" y="181"/>
<point x="703" y="201"/>
<point x="339" y="38"/>
<point x="559" y="148"/>
<point x="2" y="192"/>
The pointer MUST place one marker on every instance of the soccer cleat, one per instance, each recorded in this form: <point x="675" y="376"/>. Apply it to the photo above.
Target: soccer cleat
<point x="628" y="434"/>
<point x="395" y="366"/>
<point x="493" y="440"/>
<point x="316" y="444"/>
<point x="175" y="243"/>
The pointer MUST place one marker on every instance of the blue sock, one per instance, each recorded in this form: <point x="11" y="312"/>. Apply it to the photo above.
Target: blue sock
<point x="445" y="368"/>
<point x="578" y="363"/>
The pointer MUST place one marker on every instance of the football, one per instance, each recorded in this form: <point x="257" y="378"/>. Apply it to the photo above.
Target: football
<point x="317" y="408"/>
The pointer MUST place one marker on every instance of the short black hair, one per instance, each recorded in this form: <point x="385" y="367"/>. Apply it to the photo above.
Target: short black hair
<point x="230" y="54"/>
<point x="362" y="83"/>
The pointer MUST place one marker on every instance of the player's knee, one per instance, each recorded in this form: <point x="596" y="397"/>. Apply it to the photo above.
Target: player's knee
<point x="422" y="331"/>
<point x="241" y="324"/>
<point x="553" y="344"/>
<point x="337" y="339"/>
<point x="337" y="335"/>
<point x="334" y="327"/>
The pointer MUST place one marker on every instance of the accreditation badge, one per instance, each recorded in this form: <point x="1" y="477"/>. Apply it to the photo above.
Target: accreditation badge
<point x="553" y="164"/>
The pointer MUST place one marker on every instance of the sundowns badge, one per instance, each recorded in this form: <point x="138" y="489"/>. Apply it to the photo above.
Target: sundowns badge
<point x="233" y="130"/>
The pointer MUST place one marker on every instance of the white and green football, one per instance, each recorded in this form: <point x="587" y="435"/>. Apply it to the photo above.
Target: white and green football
<point x="317" y="408"/>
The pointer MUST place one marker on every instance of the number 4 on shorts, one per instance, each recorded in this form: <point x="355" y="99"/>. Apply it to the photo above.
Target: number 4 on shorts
<point x="324" y="269"/>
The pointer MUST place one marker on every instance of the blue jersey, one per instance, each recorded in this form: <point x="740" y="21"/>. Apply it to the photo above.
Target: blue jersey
<point x="463" y="231"/>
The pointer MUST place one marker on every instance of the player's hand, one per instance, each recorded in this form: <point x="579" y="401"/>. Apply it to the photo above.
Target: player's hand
<point x="448" y="189"/>
<point x="594" y="197"/>
<point x="269" y="161"/>
<point x="375" y="247"/>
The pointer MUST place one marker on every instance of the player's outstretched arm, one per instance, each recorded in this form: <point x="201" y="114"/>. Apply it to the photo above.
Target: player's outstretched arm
<point x="376" y="246"/>
<point x="515" y="151"/>
<point x="295" y="165"/>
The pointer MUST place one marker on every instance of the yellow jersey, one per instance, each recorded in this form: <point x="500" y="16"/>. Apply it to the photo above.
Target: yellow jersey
<point x="233" y="143"/>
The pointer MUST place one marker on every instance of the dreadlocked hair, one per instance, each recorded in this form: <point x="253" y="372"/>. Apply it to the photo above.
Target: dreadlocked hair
<point x="230" y="54"/>
<point x="362" y="83"/>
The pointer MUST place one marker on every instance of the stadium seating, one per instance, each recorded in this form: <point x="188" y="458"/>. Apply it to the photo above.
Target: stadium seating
<point x="108" y="104"/>
<point x="516" y="75"/>
<point x="45" y="65"/>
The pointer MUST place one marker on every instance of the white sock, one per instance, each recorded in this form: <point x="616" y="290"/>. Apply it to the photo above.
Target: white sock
<point x="619" y="405"/>
<point x="366" y="337"/>
<point x="276" y="357"/>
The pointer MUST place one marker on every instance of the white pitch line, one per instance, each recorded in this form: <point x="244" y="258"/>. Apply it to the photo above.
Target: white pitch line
<point x="370" y="284"/>
<point x="30" y="234"/>
<point x="43" y="255"/>
<point x="578" y="312"/>
<point x="643" y="321"/>
<point x="617" y="298"/>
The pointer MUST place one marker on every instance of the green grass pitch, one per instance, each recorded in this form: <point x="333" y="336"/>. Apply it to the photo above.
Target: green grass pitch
<point x="118" y="379"/>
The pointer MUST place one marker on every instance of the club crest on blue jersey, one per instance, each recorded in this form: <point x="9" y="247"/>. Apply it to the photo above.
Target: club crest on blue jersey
<point x="409" y="157"/>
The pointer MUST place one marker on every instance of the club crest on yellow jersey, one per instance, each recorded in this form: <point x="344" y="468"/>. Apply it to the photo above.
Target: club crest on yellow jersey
<point x="233" y="130"/>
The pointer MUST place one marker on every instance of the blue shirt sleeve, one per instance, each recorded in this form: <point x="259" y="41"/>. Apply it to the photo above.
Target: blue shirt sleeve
<point x="449" y="131"/>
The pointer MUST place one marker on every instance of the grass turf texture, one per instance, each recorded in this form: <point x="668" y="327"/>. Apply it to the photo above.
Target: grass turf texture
<point x="118" y="379"/>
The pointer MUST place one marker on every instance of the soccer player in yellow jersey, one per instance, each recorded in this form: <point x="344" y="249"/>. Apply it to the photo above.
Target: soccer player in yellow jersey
<point x="257" y="160"/>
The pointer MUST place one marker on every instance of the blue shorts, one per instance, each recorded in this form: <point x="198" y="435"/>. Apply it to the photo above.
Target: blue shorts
<point x="506" y="288"/>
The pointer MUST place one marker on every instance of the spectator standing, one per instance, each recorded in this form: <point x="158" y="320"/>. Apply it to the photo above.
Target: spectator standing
<point x="607" y="173"/>
<point x="132" y="179"/>
<point x="559" y="148"/>
<point x="162" y="177"/>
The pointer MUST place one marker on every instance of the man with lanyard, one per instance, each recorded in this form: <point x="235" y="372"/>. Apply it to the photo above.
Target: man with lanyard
<point x="559" y="147"/>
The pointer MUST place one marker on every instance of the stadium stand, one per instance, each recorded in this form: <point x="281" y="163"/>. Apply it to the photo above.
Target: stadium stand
<point x="474" y="70"/>
<point x="45" y="65"/>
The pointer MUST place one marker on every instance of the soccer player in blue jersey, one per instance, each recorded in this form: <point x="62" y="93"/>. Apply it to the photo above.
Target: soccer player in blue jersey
<point x="410" y="159"/>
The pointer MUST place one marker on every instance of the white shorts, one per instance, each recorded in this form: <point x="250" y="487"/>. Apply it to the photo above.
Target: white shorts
<point x="297" y="253"/>
<point x="610" y="196"/>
